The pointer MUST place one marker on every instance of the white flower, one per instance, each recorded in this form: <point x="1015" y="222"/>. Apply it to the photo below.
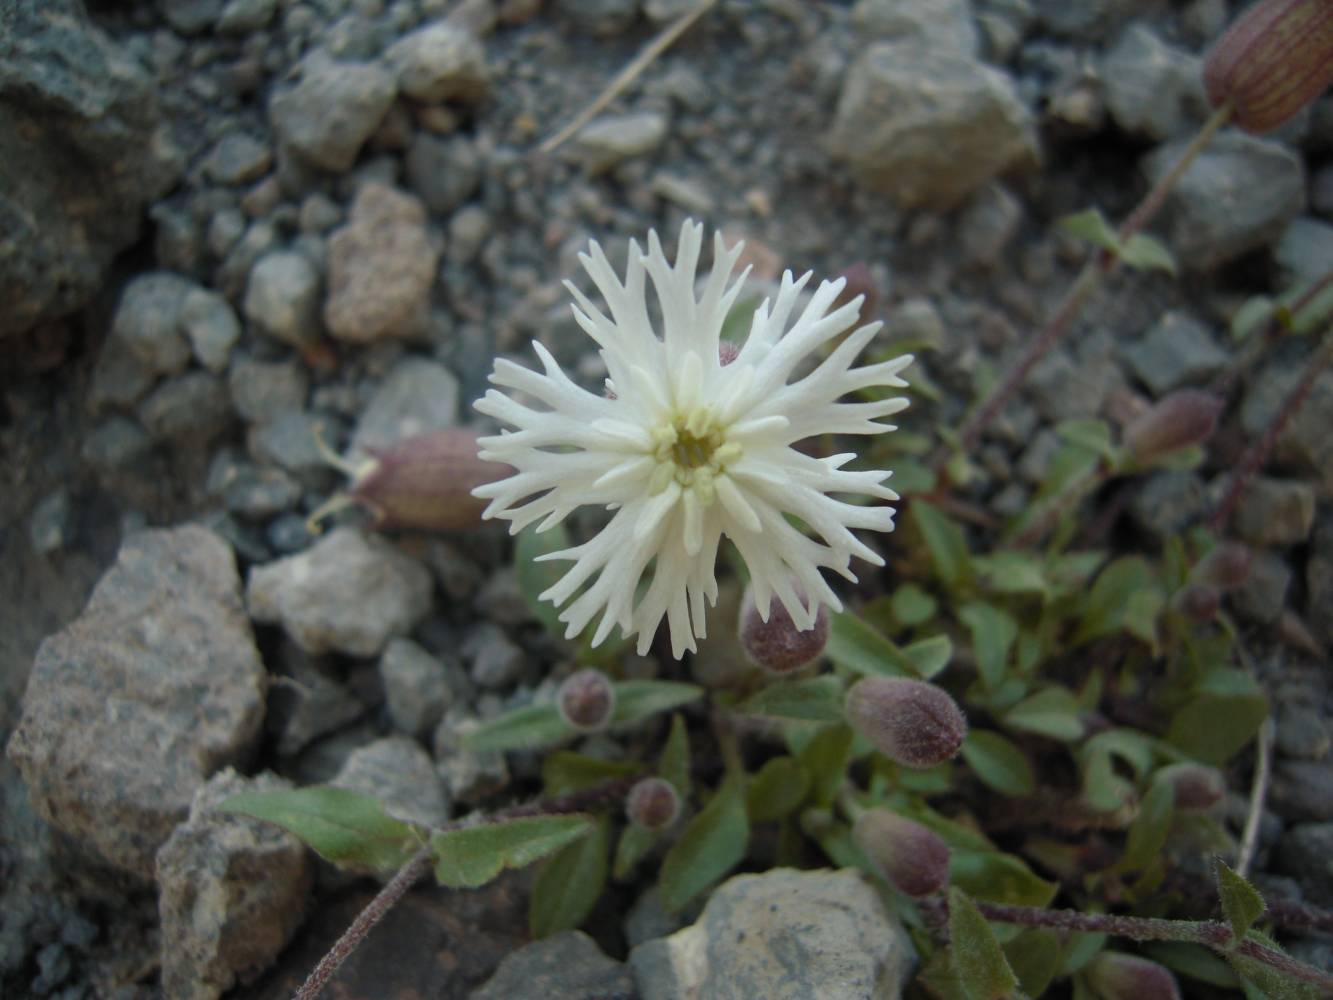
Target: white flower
<point x="685" y="449"/>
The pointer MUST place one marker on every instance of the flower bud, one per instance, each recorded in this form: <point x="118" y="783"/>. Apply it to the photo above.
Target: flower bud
<point x="586" y="700"/>
<point x="1225" y="567"/>
<point x="1198" y="602"/>
<point x="778" y="645"/>
<point x="1197" y="786"/>
<point x="1274" y="60"/>
<point x="911" y="857"/>
<point x="1183" y="418"/>
<point x="653" y="804"/>
<point x="1116" y="975"/>
<point x="909" y="721"/>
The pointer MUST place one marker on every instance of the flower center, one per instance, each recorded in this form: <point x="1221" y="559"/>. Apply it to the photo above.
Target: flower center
<point x="693" y="450"/>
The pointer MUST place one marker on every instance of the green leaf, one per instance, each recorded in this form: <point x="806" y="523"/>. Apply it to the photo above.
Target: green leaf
<point x="993" y="634"/>
<point x="978" y="958"/>
<point x="1224" y="714"/>
<point x="736" y="327"/>
<point x="1092" y="435"/>
<point x="564" y="772"/>
<point x="777" y="790"/>
<point x="1012" y="573"/>
<point x="1148" y="832"/>
<point x="998" y="877"/>
<point x="525" y="728"/>
<point x="674" y="763"/>
<point x="814" y="699"/>
<point x="637" y="700"/>
<point x="1264" y="980"/>
<point x="1103" y="789"/>
<point x="825" y="759"/>
<point x="1147" y="253"/>
<point x="1052" y="712"/>
<point x="1241" y="903"/>
<point x="1113" y="592"/>
<point x="569" y="883"/>
<point x="912" y="606"/>
<point x="712" y="844"/>
<point x="855" y="645"/>
<point x="1083" y="948"/>
<point x="471" y="857"/>
<point x="1193" y="960"/>
<point x="347" y="828"/>
<point x="945" y="541"/>
<point x="929" y="656"/>
<point x="1035" y="956"/>
<point x="534" y="577"/>
<point x="1092" y="226"/>
<point x="635" y="842"/>
<point x="998" y="763"/>
<point x="1252" y="316"/>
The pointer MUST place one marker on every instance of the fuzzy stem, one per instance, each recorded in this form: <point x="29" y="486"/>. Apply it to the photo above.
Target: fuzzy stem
<point x="588" y="798"/>
<point x="1249" y="839"/>
<point x="1211" y="933"/>
<point x="1103" y="262"/>
<point x="1258" y="454"/>
<point x="1277" y="325"/>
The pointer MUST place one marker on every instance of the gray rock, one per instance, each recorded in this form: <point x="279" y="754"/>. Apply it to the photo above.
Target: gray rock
<point x="288" y="533"/>
<point x="1088" y="19"/>
<point x="1263" y="595"/>
<point x="1003" y="23"/>
<point x="261" y="390"/>
<point x="1306" y="851"/>
<point x="240" y="17"/>
<point x="191" y="17"/>
<point x="987" y="225"/>
<point x="282" y="297"/>
<point x="306" y="702"/>
<point x="1304" y="250"/>
<point x="51" y="524"/>
<point x="1305" y="444"/>
<point x="119" y="378"/>
<point x="444" y="172"/>
<point x="335" y="108"/>
<point x="1301" y="733"/>
<point x="1177" y="350"/>
<point x="349" y="594"/>
<point x="193" y="408"/>
<point x="1151" y="88"/>
<point x="1275" y="511"/>
<point x="928" y="127"/>
<point x="470" y="775"/>
<point x="416" y="687"/>
<point x="234" y="271"/>
<point x="148" y="321"/>
<point x="1061" y="389"/>
<point x="611" y="139"/>
<point x="440" y="62"/>
<point x="416" y="396"/>
<point x="232" y="892"/>
<point x="599" y="17"/>
<point x="116" y="444"/>
<point x="260" y="493"/>
<point x="288" y="441"/>
<point x="1319" y="581"/>
<point x="401" y="776"/>
<point x="783" y="935"/>
<point x="1169" y="502"/>
<point x="381" y="268"/>
<point x="469" y="228"/>
<point x="648" y="919"/>
<point x="936" y="24"/>
<point x="319" y="213"/>
<point x="1302" y="790"/>
<point x="238" y="158"/>
<point x="1236" y="197"/>
<point x="153" y="688"/>
<point x="501" y="599"/>
<point x="684" y="192"/>
<point x="77" y="116"/>
<point x="564" y="966"/>
<point x="210" y="323"/>
<point x="495" y="660"/>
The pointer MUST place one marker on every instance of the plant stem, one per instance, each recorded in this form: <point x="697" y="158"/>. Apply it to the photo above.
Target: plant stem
<point x="1211" y="933"/>
<point x="1103" y="262"/>
<point x="1273" y="330"/>
<point x="599" y="795"/>
<point x="1249" y="838"/>
<point x="1258" y="454"/>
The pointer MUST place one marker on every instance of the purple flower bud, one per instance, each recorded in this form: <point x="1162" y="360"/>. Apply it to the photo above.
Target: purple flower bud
<point x="1274" y="60"/>
<point x="653" y="804"/>
<point x="1225" y="567"/>
<point x="777" y="645"/>
<point x="1115" y="975"/>
<point x="586" y="700"/>
<point x="912" y="722"/>
<point x="1183" y="418"/>
<point x="911" y="857"/>
<point x="1197" y="786"/>
<point x="1198" y="602"/>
